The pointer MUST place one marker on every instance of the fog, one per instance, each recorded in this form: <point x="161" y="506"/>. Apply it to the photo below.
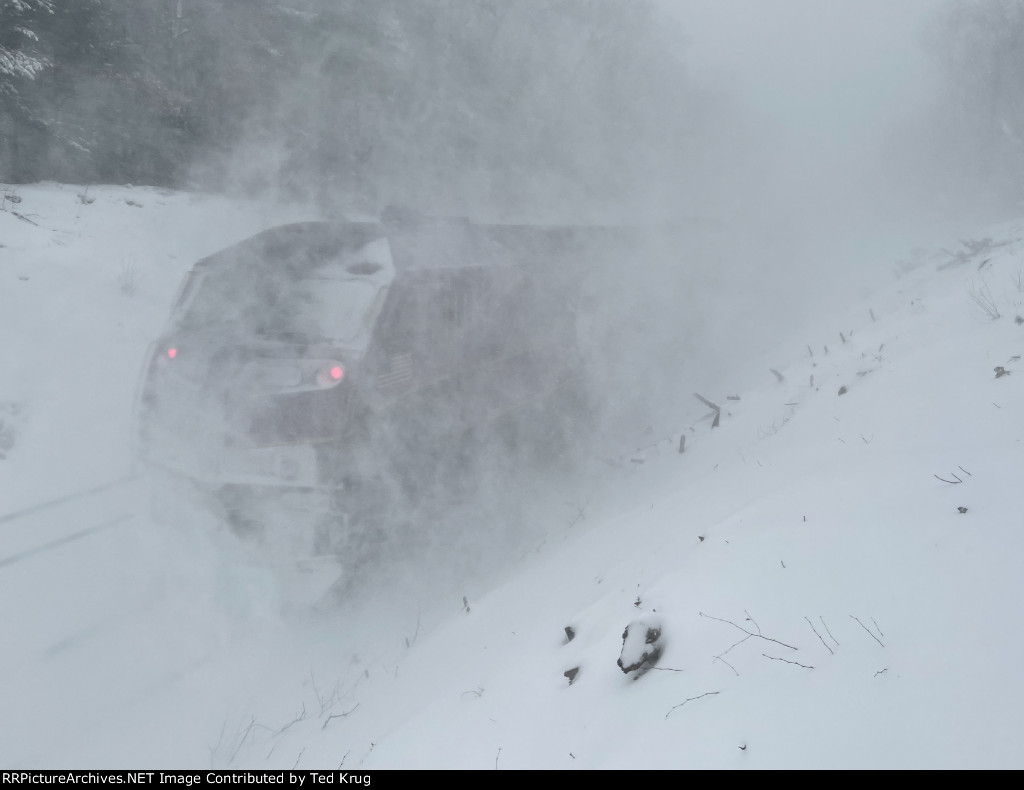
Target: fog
<point x="822" y="92"/>
<point x="836" y="148"/>
<point x="813" y="172"/>
<point x="731" y="173"/>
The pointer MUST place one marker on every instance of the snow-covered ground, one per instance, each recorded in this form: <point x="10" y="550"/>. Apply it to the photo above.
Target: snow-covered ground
<point x="830" y="578"/>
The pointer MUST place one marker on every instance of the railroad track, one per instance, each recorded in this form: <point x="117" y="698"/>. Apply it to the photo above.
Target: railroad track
<point x="51" y="503"/>
<point x="55" y="523"/>
<point x="58" y="572"/>
<point x="101" y="617"/>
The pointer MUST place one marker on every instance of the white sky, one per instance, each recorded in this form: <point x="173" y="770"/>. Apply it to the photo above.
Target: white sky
<point x="827" y="64"/>
<point x="829" y="97"/>
<point x="826" y="533"/>
<point x="820" y="87"/>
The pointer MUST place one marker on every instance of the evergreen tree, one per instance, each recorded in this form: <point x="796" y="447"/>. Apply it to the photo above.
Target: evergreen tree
<point x="21" y="61"/>
<point x="19" y="56"/>
<point x="352" y="102"/>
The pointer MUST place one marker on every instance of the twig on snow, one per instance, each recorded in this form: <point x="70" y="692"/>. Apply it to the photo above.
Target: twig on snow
<point x="706" y="402"/>
<point x="729" y="650"/>
<point x="819" y="635"/>
<point x="691" y="699"/>
<point x="338" y="716"/>
<point x="238" y="746"/>
<point x="981" y="295"/>
<point x="868" y="630"/>
<point x="582" y="513"/>
<point x="748" y="633"/>
<point x="827" y="631"/>
<point x="711" y="405"/>
<point x="22" y="216"/>
<point x="787" y="661"/>
<point x="300" y="717"/>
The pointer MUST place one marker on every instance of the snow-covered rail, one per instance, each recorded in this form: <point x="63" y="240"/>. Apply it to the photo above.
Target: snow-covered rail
<point x="100" y="617"/>
<point x="49" y="526"/>
<point x="25" y="554"/>
<point x="78" y="495"/>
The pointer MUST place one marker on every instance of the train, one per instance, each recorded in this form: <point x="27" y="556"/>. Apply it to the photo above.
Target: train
<point x="348" y="366"/>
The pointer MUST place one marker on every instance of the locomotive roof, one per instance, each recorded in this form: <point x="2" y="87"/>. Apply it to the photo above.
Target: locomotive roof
<point x="415" y="245"/>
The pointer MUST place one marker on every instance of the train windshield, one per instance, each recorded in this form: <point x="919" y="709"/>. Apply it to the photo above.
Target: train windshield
<point x="338" y="301"/>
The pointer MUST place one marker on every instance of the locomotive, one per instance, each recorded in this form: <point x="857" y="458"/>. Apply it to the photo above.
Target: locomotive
<point x="344" y="366"/>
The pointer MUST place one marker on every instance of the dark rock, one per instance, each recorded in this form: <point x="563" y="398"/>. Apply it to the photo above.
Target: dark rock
<point x="641" y="646"/>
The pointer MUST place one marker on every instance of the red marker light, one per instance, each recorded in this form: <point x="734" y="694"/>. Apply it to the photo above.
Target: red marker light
<point x="330" y="374"/>
<point x="172" y="353"/>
